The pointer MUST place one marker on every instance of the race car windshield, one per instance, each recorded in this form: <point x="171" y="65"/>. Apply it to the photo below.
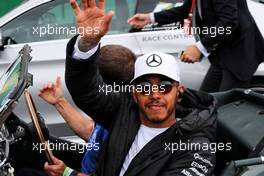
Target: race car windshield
<point x="9" y="81"/>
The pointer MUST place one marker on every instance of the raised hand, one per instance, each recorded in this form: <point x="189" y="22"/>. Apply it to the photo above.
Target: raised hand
<point x="139" y="20"/>
<point x="92" y="21"/>
<point x="52" y="92"/>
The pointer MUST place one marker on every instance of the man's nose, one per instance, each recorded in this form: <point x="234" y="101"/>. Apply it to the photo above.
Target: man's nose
<point x="155" y="94"/>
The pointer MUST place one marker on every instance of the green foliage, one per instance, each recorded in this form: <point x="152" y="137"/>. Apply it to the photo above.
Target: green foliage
<point x="7" y="5"/>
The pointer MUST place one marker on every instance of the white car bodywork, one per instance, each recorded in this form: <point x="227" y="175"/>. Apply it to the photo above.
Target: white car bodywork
<point x="49" y="56"/>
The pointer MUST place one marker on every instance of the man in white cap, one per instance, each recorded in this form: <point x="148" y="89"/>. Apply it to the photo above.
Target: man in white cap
<point x="148" y="135"/>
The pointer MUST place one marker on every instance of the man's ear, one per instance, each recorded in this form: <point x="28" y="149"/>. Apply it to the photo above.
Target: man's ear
<point x="180" y="92"/>
<point x="134" y="94"/>
<point x="181" y="89"/>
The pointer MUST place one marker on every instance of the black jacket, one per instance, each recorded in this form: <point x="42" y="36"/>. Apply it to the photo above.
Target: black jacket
<point x="242" y="51"/>
<point x="119" y="114"/>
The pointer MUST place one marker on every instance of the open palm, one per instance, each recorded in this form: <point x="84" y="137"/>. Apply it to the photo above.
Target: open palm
<point x="91" y="19"/>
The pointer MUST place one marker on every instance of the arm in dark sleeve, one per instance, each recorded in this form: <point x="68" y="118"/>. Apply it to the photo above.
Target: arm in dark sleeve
<point x="194" y="162"/>
<point x="174" y="14"/>
<point x="226" y="12"/>
<point x="84" y="82"/>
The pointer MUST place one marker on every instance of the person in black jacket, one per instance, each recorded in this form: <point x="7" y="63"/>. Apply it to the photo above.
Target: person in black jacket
<point x="147" y="134"/>
<point x="235" y="46"/>
<point x="116" y="66"/>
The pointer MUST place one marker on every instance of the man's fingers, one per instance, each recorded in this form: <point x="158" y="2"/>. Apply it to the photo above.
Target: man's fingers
<point x="49" y="85"/>
<point x="46" y="86"/>
<point x="101" y="4"/>
<point x="50" y="170"/>
<point x="185" y="58"/>
<point x="130" y="20"/>
<point x="91" y="3"/>
<point x="108" y="18"/>
<point x="41" y="90"/>
<point x="58" y="82"/>
<point x="134" y="22"/>
<point x="53" y="173"/>
<point x="182" y="56"/>
<point x="53" y="87"/>
<point x="55" y="160"/>
<point x="46" y="165"/>
<point x="75" y="7"/>
<point x="84" y="4"/>
<point x="40" y="93"/>
<point x="137" y="16"/>
<point x="137" y="26"/>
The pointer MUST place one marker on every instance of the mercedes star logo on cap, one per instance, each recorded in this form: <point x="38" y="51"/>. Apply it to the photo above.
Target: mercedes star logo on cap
<point x="154" y="60"/>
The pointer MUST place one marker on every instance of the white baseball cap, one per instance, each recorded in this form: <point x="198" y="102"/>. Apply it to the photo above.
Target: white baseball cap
<point x="157" y="63"/>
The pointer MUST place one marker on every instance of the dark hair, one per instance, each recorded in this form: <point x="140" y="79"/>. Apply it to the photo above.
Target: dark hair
<point x="116" y="64"/>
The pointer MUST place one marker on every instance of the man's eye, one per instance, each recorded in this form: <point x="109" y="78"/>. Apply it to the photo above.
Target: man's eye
<point x="165" y="87"/>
